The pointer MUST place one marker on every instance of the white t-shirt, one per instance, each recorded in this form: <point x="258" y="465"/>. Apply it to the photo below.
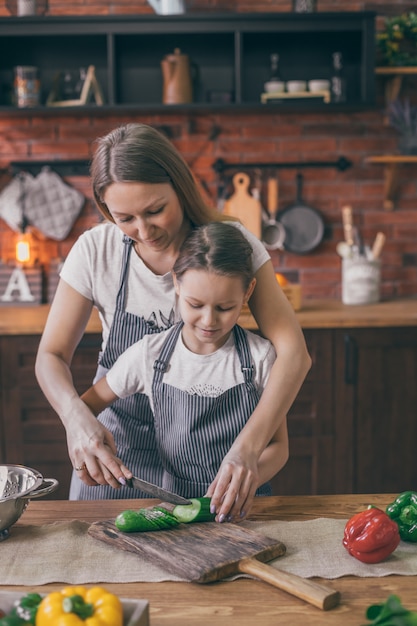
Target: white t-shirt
<point x="93" y="268"/>
<point x="199" y="374"/>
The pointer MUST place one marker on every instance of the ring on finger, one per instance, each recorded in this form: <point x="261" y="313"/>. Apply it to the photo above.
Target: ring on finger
<point x="81" y="468"/>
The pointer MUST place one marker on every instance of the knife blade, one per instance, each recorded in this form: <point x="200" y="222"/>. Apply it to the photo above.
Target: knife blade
<point x="155" y="490"/>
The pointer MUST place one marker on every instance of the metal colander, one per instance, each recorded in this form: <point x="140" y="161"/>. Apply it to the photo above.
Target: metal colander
<point x="18" y="484"/>
<point x="18" y="480"/>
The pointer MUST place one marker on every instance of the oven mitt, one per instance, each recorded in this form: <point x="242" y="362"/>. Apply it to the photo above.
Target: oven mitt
<point x="51" y="205"/>
<point x="10" y="200"/>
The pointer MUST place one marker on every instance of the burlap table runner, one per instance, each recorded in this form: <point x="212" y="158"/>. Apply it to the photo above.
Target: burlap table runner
<point x="63" y="552"/>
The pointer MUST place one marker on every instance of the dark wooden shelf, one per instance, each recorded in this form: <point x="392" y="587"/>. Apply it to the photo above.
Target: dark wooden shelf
<point x="395" y="77"/>
<point x="391" y="163"/>
<point x="230" y="52"/>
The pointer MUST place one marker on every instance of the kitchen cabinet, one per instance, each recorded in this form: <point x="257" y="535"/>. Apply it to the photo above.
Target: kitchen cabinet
<point x="31" y="432"/>
<point x="312" y="426"/>
<point x="353" y="425"/>
<point x="376" y="394"/>
<point x="229" y="52"/>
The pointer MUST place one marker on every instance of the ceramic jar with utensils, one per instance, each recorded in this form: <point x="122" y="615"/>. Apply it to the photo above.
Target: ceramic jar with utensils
<point x="361" y="268"/>
<point x="361" y="280"/>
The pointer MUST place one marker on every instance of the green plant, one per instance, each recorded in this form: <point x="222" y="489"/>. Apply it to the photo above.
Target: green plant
<point x="397" y="42"/>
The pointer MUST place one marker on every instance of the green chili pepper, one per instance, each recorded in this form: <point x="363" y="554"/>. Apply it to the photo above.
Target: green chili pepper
<point x="404" y="512"/>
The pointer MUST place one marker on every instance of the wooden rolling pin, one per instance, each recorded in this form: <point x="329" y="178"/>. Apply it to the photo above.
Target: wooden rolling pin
<point x="378" y="245"/>
<point x="347" y="224"/>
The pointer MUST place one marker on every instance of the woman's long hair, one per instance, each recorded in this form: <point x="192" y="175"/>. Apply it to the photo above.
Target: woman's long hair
<point x="140" y="153"/>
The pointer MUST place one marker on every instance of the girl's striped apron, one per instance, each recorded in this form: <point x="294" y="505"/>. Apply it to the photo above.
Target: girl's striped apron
<point x="130" y="420"/>
<point x="195" y="433"/>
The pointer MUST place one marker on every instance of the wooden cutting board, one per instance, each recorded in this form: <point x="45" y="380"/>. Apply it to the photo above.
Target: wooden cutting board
<point x="209" y="551"/>
<point x="244" y="206"/>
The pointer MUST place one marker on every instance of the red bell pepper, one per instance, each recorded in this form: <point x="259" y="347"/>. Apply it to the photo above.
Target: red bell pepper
<point x="371" y="535"/>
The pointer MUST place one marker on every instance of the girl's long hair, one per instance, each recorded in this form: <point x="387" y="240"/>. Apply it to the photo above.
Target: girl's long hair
<point x="219" y="248"/>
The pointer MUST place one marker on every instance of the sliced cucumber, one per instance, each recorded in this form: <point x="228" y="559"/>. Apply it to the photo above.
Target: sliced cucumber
<point x="197" y="511"/>
<point x="145" y="520"/>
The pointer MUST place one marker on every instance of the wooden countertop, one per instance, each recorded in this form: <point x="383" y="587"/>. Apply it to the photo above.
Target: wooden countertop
<point x="314" y="314"/>
<point x="242" y="602"/>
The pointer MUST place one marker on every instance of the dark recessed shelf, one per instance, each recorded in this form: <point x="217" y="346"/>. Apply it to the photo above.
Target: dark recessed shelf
<point x="229" y="55"/>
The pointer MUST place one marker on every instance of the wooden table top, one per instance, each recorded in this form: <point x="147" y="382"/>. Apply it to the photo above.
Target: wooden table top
<point x="242" y="602"/>
<point x="313" y="314"/>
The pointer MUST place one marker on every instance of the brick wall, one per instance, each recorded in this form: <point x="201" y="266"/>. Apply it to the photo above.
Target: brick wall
<point x="274" y="137"/>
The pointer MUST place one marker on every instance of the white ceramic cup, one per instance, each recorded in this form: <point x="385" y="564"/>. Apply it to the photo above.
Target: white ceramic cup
<point x="168" y="7"/>
<point x="274" y="86"/>
<point x="296" y="86"/>
<point x="26" y="7"/>
<point x="318" y="85"/>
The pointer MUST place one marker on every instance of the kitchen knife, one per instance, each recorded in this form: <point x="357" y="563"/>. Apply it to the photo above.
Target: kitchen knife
<point x="154" y="490"/>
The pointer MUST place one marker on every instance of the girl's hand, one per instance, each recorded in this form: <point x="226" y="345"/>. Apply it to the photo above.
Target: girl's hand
<point x="234" y="487"/>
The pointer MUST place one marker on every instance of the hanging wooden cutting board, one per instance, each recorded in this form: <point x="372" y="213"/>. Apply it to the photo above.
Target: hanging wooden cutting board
<point x="243" y="205"/>
<point x="209" y="551"/>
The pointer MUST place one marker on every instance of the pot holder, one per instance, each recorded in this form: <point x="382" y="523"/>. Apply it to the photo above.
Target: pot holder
<point x="11" y="207"/>
<point x="51" y="205"/>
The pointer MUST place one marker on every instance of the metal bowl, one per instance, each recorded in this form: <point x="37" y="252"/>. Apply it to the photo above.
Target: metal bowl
<point x="18" y="484"/>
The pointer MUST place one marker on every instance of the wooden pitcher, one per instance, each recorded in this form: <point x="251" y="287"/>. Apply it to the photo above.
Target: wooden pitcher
<point x="177" y="83"/>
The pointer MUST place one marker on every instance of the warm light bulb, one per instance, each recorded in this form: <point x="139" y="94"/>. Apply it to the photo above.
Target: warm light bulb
<point x="22" y="249"/>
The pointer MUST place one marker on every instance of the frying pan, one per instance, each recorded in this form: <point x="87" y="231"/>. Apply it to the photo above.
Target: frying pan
<point x="304" y="225"/>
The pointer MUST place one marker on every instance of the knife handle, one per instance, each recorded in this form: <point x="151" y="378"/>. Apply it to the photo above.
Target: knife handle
<point x="321" y="596"/>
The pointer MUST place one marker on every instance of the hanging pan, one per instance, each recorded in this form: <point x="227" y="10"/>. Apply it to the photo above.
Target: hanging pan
<point x="304" y="225"/>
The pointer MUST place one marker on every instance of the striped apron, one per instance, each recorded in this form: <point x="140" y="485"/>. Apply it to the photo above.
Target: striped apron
<point x="195" y="433"/>
<point x="130" y="420"/>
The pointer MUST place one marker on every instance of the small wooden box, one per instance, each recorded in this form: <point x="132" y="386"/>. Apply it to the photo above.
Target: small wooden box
<point x="294" y="295"/>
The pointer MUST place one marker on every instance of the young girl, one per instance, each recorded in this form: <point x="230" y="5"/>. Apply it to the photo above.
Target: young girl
<point x="204" y="376"/>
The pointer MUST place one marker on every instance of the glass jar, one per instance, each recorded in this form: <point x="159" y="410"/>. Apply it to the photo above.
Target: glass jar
<point x="304" y="6"/>
<point x="26" y="86"/>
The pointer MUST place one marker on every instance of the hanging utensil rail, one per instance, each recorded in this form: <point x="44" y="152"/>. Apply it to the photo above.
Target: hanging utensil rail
<point x="341" y="164"/>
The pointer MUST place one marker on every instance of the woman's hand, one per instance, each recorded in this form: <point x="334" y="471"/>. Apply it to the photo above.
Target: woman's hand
<point x="92" y="450"/>
<point x="234" y="487"/>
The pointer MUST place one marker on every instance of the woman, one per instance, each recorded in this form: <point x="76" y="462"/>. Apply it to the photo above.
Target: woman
<point x="150" y="199"/>
<point x="203" y="376"/>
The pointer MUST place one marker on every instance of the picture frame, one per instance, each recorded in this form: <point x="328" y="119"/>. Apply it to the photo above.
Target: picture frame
<point x="91" y="87"/>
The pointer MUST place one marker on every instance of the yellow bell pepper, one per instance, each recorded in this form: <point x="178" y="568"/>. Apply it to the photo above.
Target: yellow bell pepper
<point x="78" y="606"/>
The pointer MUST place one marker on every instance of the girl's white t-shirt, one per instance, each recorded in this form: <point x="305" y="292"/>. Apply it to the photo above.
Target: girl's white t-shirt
<point x="197" y="374"/>
<point x="93" y="267"/>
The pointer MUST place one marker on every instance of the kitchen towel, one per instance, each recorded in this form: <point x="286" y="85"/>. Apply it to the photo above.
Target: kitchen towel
<point x="51" y="205"/>
<point x="11" y="200"/>
<point x="63" y="552"/>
